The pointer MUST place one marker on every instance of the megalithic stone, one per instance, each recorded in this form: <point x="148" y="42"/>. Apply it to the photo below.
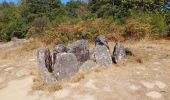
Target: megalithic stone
<point x="81" y="50"/>
<point x="119" y="53"/>
<point x="45" y="64"/>
<point x="60" y="48"/>
<point x="66" y="66"/>
<point x="102" y="56"/>
<point x="87" y="66"/>
<point x="101" y="40"/>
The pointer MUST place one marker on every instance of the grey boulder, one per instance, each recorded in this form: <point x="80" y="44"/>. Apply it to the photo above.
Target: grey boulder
<point x="60" y="48"/>
<point x="101" y="40"/>
<point x="45" y="64"/>
<point x="87" y="66"/>
<point x="119" y="53"/>
<point x="102" y="56"/>
<point x="66" y="66"/>
<point x="81" y="50"/>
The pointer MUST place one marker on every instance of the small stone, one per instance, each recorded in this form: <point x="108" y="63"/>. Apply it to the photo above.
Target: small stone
<point x="134" y="88"/>
<point x="148" y="84"/>
<point x="154" y="95"/>
<point x="66" y="66"/>
<point x="87" y="66"/>
<point x="22" y="72"/>
<point x="31" y="60"/>
<point x="81" y="50"/>
<point x="4" y="66"/>
<point x="102" y="41"/>
<point x="138" y="73"/>
<point x="44" y="63"/>
<point x="157" y="63"/>
<point x="160" y="84"/>
<point x="129" y="52"/>
<point x="119" y="53"/>
<point x="9" y="69"/>
<point x="102" y="56"/>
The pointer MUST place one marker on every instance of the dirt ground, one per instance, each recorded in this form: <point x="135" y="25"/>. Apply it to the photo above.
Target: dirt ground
<point x="148" y="79"/>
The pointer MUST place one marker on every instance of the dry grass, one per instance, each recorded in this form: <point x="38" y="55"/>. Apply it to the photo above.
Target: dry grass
<point x="38" y="84"/>
<point x="87" y="30"/>
<point x="98" y="69"/>
<point x="137" y="29"/>
<point x="20" y="51"/>
<point x="30" y="46"/>
<point x="78" y="77"/>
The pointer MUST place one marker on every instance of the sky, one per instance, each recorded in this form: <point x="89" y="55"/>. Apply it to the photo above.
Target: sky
<point x="15" y="1"/>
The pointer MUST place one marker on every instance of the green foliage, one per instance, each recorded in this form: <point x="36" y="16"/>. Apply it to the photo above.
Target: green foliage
<point x="158" y="25"/>
<point x="34" y="17"/>
<point x="137" y="29"/>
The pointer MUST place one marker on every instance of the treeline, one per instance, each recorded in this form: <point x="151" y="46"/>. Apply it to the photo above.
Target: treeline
<point x="38" y="17"/>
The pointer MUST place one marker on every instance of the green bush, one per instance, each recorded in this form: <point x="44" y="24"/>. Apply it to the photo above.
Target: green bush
<point x="137" y="29"/>
<point x="158" y="25"/>
<point x="167" y="18"/>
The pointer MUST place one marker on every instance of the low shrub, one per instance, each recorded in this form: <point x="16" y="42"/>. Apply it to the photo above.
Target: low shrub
<point x="158" y="25"/>
<point x="137" y="29"/>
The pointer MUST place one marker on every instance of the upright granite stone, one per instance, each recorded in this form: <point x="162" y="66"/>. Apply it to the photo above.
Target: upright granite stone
<point x="66" y="66"/>
<point x="60" y="48"/>
<point x="101" y="40"/>
<point x="81" y="49"/>
<point x="119" y="53"/>
<point x="102" y="56"/>
<point x="45" y="64"/>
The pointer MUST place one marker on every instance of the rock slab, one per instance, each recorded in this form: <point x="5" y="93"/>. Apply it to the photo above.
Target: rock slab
<point x="81" y="50"/>
<point x="101" y="40"/>
<point x="87" y="66"/>
<point x="119" y="53"/>
<point x="60" y="48"/>
<point x="66" y="66"/>
<point x="102" y="56"/>
<point x="45" y="64"/>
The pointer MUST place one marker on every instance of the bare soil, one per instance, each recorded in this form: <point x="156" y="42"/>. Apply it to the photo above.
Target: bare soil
<point x="146" y="77"/>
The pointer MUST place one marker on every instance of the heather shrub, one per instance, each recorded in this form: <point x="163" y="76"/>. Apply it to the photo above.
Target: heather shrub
<point x="137" y="29"/>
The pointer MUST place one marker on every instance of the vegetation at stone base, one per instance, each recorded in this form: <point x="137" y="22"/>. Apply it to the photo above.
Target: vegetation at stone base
<point x="52" y="21"/>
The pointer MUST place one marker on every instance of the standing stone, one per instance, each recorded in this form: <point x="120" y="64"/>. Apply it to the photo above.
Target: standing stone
<point x="60" y="48"/>
<point x="45" y="64"/>
<point x="81" y="49"/>
<point x="102" y="56"/>
<point x="101" y="40"/>
<point x="87" y="66"/>
<point x="119" y="53"/>
<point x="129" y="52"/>
<point x="66" y="66"/>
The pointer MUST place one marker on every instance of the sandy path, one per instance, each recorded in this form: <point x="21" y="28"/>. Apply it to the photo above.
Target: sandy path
<point x="149" y="80"/>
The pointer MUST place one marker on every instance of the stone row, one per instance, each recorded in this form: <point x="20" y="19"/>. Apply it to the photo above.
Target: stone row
<point x="67" y="61"/>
